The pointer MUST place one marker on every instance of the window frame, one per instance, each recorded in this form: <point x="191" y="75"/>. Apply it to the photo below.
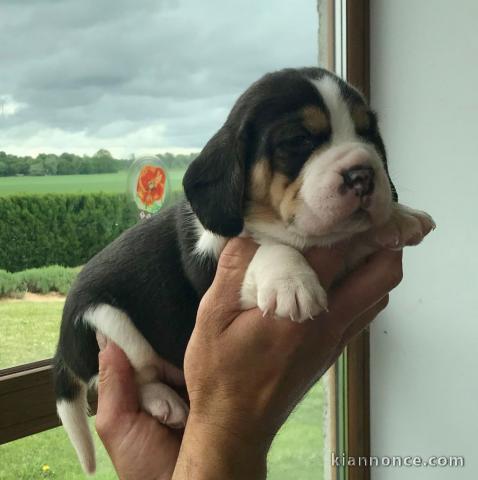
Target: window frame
<point x="349" y="379"/>
<point x="27" y="400"/>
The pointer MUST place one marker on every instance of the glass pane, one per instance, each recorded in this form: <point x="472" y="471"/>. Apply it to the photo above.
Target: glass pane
<point x="32" y="322"/>
<point x="114" y="82"/>
<point x="298" y="449"/>
<point x="50" y="455"/>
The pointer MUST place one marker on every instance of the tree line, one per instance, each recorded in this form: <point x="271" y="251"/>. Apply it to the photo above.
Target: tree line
<point x="71" y="164"/>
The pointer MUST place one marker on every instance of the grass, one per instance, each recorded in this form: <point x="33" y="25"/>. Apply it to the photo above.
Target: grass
<point x="101" y="182"/>
<point x="29" y="331"/>
<point x="25" y="459"/>
<point x="34" y="326"/>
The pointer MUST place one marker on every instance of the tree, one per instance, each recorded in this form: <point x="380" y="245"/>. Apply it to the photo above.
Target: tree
<point x="37" y="169"/>
<point x="51" y="164"/>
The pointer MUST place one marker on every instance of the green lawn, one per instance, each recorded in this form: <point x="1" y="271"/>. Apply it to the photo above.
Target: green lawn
<point x="101" y="182"/>
<point x="297" y="452"/>
<point x="28" y="330"/>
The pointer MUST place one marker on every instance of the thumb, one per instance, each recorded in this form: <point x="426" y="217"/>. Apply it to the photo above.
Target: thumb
<point x="117" y="391"/>
<point x="231" y="268"/>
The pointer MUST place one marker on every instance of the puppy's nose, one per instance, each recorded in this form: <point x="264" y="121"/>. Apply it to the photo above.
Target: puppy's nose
<point x="360" y="179"/>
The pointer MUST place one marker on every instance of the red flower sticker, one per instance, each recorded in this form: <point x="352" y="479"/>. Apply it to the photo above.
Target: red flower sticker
<point x="151" y="183"/>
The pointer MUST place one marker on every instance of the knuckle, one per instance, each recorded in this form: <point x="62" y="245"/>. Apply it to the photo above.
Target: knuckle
<point x="395" y="272"/>
<point x="384" y="302"/>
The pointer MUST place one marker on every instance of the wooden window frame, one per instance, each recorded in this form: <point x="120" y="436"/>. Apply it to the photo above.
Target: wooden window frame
<point x="349" y="379"/>
<point x="352" y="372"/>
<point x="358" y="352"/>
<point x="27" y="402"/>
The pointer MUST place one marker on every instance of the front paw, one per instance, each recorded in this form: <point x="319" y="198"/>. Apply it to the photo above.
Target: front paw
<point x="406" y="227"/>
<point x="284" y="287"/>
<point x="297" y="298"/>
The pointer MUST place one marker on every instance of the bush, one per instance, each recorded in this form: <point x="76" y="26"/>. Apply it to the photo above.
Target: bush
<point x="60" y="229"/>
<point x="37" y="280"/>
<point x="8" y="284"/>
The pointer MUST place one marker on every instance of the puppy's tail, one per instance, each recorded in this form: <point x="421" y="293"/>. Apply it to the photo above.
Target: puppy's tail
<point x="72" y="408"/>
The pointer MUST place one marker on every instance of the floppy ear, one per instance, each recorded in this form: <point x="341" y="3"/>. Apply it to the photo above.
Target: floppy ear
<point x="214" y="183"/>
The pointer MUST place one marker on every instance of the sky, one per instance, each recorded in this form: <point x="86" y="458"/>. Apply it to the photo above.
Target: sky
<point x="138" y="77"/>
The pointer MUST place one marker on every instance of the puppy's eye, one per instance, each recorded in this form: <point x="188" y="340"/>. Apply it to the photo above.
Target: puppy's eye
<point x="297" y="142"/>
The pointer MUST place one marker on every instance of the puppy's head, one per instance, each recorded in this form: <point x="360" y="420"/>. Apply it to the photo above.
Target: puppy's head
<point x="300" y="154"/>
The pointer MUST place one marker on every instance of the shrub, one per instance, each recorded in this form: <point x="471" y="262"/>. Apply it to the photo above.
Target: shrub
<point x="59" y="229"/>
<point x="37" y="280"/>
<point x="8" y="284"/>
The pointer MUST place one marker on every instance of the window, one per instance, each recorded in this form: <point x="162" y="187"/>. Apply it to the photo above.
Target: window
<point x="86" y="92"/>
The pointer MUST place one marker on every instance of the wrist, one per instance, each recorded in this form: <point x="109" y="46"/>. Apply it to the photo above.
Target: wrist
<point x="213" y="451"/>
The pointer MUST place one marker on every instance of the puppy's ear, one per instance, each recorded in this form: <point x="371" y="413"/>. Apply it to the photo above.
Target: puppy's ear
<point x="214" y="183"/>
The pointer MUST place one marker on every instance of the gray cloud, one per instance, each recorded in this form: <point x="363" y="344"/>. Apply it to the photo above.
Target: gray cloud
<point x="147" y="75"/>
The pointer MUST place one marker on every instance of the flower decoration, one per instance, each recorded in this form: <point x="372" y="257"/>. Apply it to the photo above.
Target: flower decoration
<point x="151" y="185"/>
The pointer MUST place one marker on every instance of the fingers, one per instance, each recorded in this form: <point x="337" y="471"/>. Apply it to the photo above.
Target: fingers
<point x="364" y="320"/>
<point x="364" y="288"/>
<point x="117" y="393"/>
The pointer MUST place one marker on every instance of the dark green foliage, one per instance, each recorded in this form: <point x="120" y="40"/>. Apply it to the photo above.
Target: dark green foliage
<point x="60" y="229"/>
<point x="64" y="164"/>
<point x="71" y="164"/>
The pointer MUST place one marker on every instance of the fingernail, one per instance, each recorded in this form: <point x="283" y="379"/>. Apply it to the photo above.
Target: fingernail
<point x="101" y="339"/>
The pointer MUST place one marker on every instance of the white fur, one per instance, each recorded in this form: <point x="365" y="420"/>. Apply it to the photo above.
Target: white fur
<point x="73" y="415"/>
<point x="163" y="403"/>
<point x="343" y="127"/>
<point x="117" y="326"/>
<point x="406" y="226"/>
<point x="209" y="244"/>
<point x="279" y="281"/>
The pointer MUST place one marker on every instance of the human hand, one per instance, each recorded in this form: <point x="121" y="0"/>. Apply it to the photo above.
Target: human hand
<point x="139" y="446"/>
<point x="245" y="373"/>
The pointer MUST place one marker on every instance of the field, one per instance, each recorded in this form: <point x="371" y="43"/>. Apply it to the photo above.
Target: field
<point x="102" y="182"/>
<point x="34" y="325"/>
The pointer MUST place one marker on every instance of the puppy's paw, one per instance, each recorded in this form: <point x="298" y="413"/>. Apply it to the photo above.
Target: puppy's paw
<point x="296" y="297"/>
<point x="406" y="227"/>
<point x="280" y="282"/>
<point x="163" y="403"/>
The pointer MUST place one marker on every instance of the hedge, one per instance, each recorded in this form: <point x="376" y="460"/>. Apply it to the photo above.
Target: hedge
<point x="60" y="229"/>
<point x="54" y="278"/>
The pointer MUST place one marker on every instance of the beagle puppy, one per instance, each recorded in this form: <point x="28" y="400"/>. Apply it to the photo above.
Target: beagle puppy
<point x="298" y="162"/>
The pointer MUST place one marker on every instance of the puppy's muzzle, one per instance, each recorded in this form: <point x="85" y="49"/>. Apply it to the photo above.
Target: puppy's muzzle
<point x="360" y="179"/>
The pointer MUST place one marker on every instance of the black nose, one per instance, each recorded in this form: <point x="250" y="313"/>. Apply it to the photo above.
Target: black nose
<point x="359" y="179"/>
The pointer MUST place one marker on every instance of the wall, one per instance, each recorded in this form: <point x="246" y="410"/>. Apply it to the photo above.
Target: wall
<point x="424" y="81"/>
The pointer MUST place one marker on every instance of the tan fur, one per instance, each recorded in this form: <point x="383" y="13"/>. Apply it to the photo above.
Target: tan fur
<point x="260" y="181"/>
<point x="283" y="196"/>
<point x="261" y="212"/>
<point x="315" y="119"/>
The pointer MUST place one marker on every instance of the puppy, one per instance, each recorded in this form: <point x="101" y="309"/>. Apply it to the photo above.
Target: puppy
<point x="299" y="162"/>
